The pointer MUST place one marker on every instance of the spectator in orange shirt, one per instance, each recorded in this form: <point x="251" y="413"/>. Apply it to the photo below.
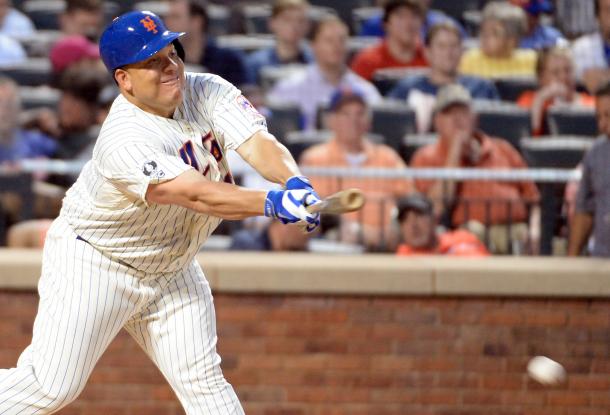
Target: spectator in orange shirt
<point x="419" y="234"/>
<point x="402" y="20"/>
<point x="496" y="209"/>
<point x="556" y="87"/>
<point x="349" y="121"/>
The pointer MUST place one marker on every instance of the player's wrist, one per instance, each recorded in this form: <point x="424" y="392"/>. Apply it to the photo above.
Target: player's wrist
<point x="298" y="182"/>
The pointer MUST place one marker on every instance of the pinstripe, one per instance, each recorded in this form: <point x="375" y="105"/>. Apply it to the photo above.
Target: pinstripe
<point x="134" y="266"/>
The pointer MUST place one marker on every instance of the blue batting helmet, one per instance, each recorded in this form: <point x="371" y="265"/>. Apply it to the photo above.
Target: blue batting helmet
<point x="134" y="37"/>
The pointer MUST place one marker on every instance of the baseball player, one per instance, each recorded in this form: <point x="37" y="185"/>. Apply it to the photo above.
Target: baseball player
<point x="121" y="253"/>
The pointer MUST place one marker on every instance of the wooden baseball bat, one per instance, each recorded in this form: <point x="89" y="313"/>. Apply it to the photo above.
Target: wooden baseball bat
<point x="343" y="201"/>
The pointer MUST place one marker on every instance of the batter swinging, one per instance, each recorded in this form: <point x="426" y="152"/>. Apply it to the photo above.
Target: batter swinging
<point x="121" y="253"/>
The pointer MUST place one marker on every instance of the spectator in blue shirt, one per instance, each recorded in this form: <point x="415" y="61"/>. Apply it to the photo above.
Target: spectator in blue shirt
<point x="289" y="23"/>
<point x="15" y="143"/>
<point x="539" y="36"/>
<point x="443" y="52"/>
<point x="374" y="25"/>
<point x="191" y="17"/>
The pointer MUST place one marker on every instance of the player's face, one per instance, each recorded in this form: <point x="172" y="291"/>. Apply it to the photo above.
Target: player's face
<point x="603" y="114"/>
<point x="156" y="84"/>
<point x="445" y="51"/>
<point x="417" y="229"/>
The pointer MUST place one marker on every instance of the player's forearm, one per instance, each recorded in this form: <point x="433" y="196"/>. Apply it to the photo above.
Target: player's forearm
<point x="582" y="224"/>
<point x="227" y="201"/>
<point x="270" y="158"/>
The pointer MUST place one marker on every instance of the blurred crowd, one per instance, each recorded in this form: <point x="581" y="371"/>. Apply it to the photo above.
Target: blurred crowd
<point x="358" y="84"/>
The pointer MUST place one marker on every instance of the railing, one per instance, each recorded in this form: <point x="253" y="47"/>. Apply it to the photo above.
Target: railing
<point x="550" y="182"/>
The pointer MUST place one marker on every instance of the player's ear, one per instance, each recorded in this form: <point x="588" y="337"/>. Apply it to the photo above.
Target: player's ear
<point x="123" y="79"/>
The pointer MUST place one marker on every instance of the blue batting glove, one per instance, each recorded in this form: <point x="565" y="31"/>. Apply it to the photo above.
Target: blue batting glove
<point x="289" y="206"/>
<point x="299" y="182"/>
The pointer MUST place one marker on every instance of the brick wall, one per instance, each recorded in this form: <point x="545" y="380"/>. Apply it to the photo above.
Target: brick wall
<point x="297" y="355"/>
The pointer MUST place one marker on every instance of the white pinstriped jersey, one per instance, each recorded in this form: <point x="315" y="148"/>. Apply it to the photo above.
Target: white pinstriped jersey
<point x="107" y="207"/>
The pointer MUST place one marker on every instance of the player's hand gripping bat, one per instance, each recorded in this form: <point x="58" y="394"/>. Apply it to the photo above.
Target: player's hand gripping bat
<point x="341" y="202"/>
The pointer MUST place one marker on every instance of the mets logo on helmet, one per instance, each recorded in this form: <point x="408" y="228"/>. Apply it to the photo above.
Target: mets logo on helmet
<point x="149" y="24"/>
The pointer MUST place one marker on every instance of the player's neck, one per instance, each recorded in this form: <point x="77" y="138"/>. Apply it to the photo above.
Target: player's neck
<point x="160" y="112"/>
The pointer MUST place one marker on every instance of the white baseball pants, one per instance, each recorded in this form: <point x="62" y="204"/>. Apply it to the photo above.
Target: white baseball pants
<point x="85" y="300"/>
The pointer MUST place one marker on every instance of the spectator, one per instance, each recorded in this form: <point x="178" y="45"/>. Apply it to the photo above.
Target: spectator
<point x="575" y="18"/>
<point x="374" y="25"/>
<point x="73" y="51"/>
<point x="289" y="23"/>
<point x="16" y="143"/>
<point x="502" y="27"/>
<point x="78" y="112"/>
<point x="592" y="216"/>
<point x="460" y="145"/>
<point x="538" y="35"/>
<point x="313" y="87"/>
<point x="273" y="237"/>
<point x="556" y="87"/>
<point x="349" y="121"/>
<point x="11" y="51"/>
<point x="190" y="16"/>
<point x="592" y="51"/>
<point x="14" y="23"/>
<point x="420" y="236"/>
<point x="403" y="20"/>
<point x="82" y="17"/>
<point x="443" y="51"/>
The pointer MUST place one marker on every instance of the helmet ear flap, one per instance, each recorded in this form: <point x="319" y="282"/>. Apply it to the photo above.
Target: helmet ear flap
<point x="179" y="49"/>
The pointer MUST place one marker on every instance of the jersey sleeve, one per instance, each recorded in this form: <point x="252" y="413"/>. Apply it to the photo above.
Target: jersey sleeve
<point x="233" y="118"/>
<point x="133" y="166"/>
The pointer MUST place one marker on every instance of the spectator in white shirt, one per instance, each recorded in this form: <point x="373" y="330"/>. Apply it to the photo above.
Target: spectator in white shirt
<point x="313" y="87"/>
<point x="13" y="22"/>
<point x="592" y="52"/>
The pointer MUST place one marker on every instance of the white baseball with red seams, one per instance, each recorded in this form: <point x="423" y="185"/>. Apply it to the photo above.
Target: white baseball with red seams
<point x="546" y="371"/>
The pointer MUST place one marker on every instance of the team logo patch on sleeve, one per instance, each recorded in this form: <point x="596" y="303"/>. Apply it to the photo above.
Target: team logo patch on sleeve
<point x="150" y="169"/>
<point x="249" y="109"/>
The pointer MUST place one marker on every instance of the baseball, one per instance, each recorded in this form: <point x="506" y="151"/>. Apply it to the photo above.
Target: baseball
<point x="546" y="371"/>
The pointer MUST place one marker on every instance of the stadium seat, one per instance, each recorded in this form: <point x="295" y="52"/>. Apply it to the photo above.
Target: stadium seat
<point x="510" y="88"/>
<point x="299" y="141"/>
<point x="32" y="72"/>
<point x="555" y="151"/>
<point x="343" y="8"/>
<point x="393" y="119"/>
<point x="283" y="119"/>
<point x="44" y="13"/>
<point x="412" y="142"/>
<point x="385" y="79"/>
<point x="255" y="18"/>
<point x="39" y="43"/>
<point x="245" y="43"/>
<point x="36" y="97"/>
<point x="571" y="120"/>
<point x="455" y="8"/>
<point x="269" y="75"/>
<point x="362" y="14"/>
<point x="506" y="121"/>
